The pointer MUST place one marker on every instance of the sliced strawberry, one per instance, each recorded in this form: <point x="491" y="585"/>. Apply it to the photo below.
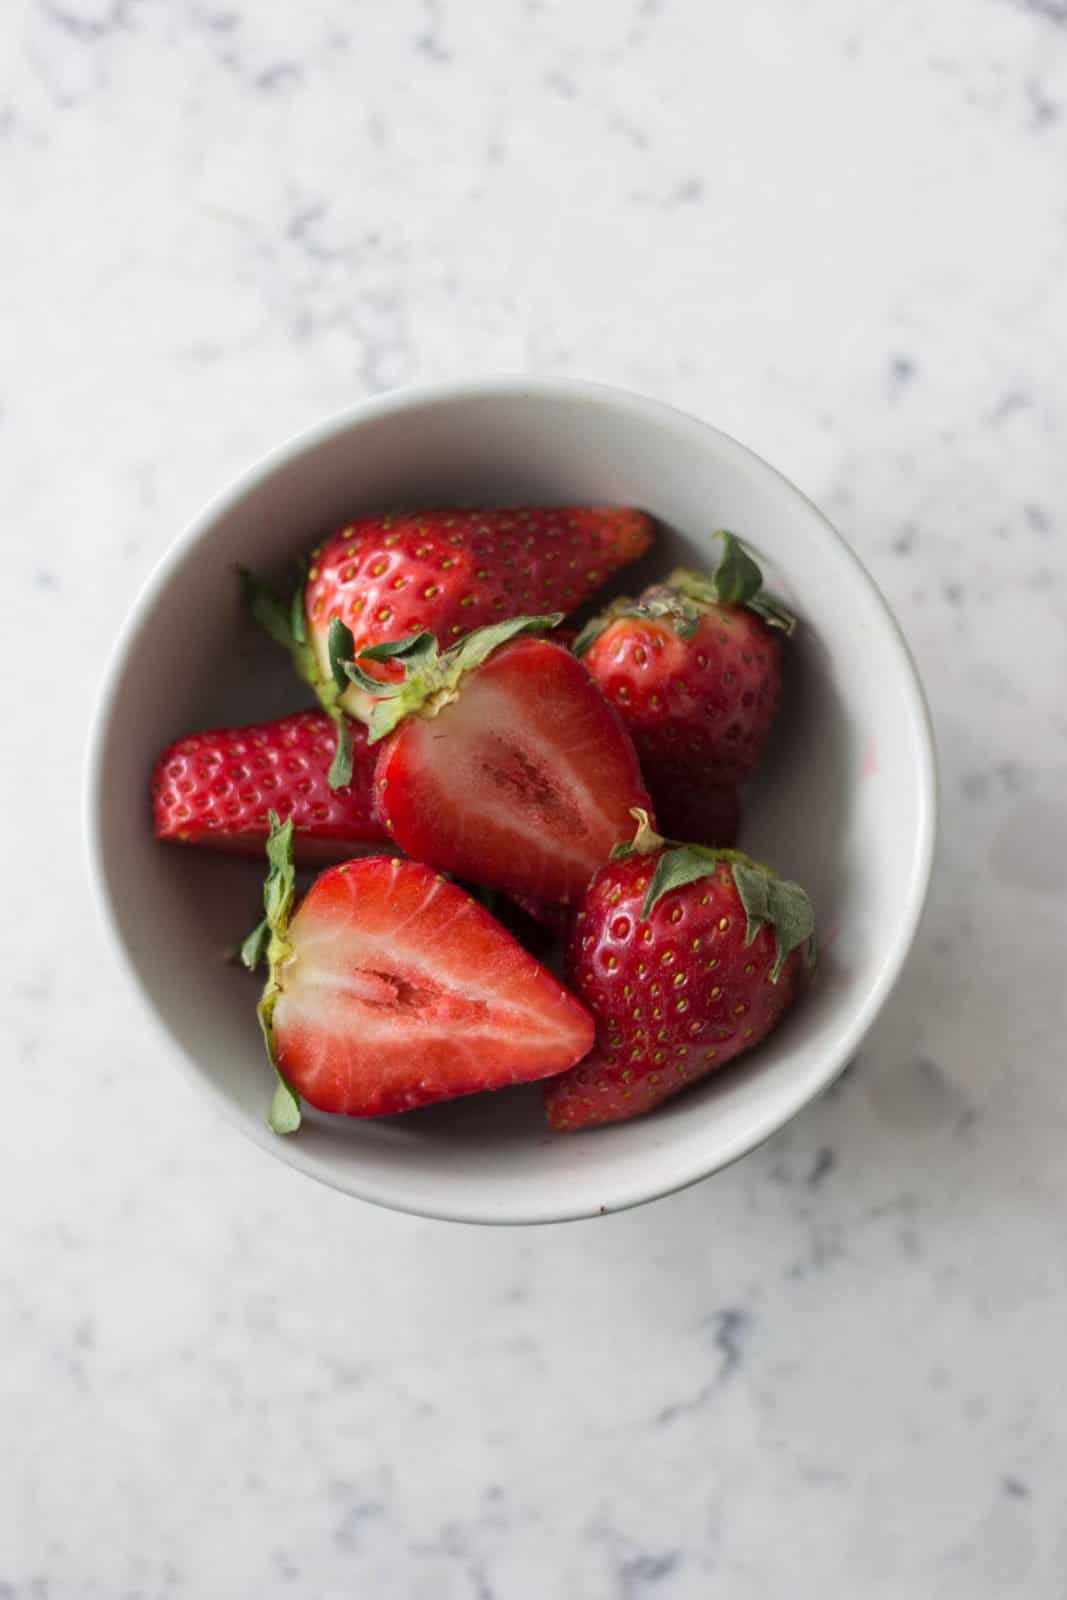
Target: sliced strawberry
<point x="217" y="788"/>
<point x="445" y="572"/>
<point x="507" y="767"/>
<point x="391" y="988"/>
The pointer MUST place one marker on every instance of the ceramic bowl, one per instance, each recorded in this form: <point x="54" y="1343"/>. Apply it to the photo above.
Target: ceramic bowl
<point x="845" y="802"/>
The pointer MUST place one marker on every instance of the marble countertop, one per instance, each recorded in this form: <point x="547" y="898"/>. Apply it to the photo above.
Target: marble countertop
<point x="840" y="233"/>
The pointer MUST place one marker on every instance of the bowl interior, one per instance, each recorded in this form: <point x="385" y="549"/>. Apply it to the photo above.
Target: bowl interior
<point x="843" y="802"/>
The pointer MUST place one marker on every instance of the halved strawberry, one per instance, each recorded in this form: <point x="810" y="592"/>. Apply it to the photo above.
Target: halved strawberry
<point x="445" y="572"/>
<point x="391" y="988"/>
<point x="217" y="789"/>
<point x="503" y="763"/>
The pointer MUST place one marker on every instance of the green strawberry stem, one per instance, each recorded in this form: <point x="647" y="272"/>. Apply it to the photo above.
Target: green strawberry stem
<point x="270" y="937"/>
<point x="769" y="901"/>
<point x="431" y="679"/>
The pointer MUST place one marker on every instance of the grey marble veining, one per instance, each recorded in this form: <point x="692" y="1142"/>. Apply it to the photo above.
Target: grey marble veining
<point x="839" y="232"/>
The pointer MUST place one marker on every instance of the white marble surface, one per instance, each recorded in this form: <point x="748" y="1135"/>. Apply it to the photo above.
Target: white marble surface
<point x="840" y="232"/>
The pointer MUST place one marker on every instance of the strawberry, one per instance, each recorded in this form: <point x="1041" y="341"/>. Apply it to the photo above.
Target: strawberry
<point x="686" y="957"/>
<point x="217" y="788"/>
<point x="390" y="988"/>
<point x="694" y="667"/>
<point x="447" y="573"/>
<point x="502" y="763"/>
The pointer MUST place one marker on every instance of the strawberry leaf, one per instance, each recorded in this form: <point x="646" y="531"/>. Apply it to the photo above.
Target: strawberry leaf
<point x="340" y="773"/>
<point x="416" y="651"/>
<point x="737" y="581"/>
<point x="737" y="577"/>
<point x="251" y="950"/>
<point x="279" y="889"/>
<point x="773" y="901"/>
<point x="363" y="680"/>
<point x="768" y="900"/>
<point x="417" y="655"/>
<point x="279" y="892"/>
<point x="477" y="646"/>
<point x="285" y="1115"/>
<point x="342" y="647"/>
<point x="675" y="868"/>
<point x="773" y="612"/>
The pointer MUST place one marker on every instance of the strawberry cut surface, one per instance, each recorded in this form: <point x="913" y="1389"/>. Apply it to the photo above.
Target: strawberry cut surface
<point x="448" y="572"/>
<point x="216" y="789"/>
<point x="523" y="782"/>
<point x="398" y="989"/>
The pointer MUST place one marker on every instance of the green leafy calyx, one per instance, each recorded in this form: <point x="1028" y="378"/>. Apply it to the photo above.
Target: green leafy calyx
<point x="769" y="901"/>
<point x="736" y="581"/>
<point x="279" y="892"/>
<point x="774" y="902"/>
<point x="431" y="679"/>
<point x="341" y="647"/>
<point x="684" y="597"/>
<point x="253" y="948"/>
<point x="340" y="773"/>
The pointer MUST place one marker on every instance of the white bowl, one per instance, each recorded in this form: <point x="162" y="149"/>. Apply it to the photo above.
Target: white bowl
<point x="845" y="802"/>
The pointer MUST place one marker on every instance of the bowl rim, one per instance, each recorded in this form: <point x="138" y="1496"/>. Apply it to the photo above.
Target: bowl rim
<point x="546" y="389"/>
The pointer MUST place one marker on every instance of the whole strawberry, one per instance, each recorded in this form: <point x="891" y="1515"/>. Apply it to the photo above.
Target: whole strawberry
<point x="445" y="573"/>
<point x="694" y="669"/>
<point x="685" y="957"/>
<point x="218" y="788"/>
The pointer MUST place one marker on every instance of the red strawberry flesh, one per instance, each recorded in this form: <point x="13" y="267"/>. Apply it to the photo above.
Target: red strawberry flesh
<point x="216" y="789"/>
<point x="524" y="782"/>
<point x="400" y="990"/>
